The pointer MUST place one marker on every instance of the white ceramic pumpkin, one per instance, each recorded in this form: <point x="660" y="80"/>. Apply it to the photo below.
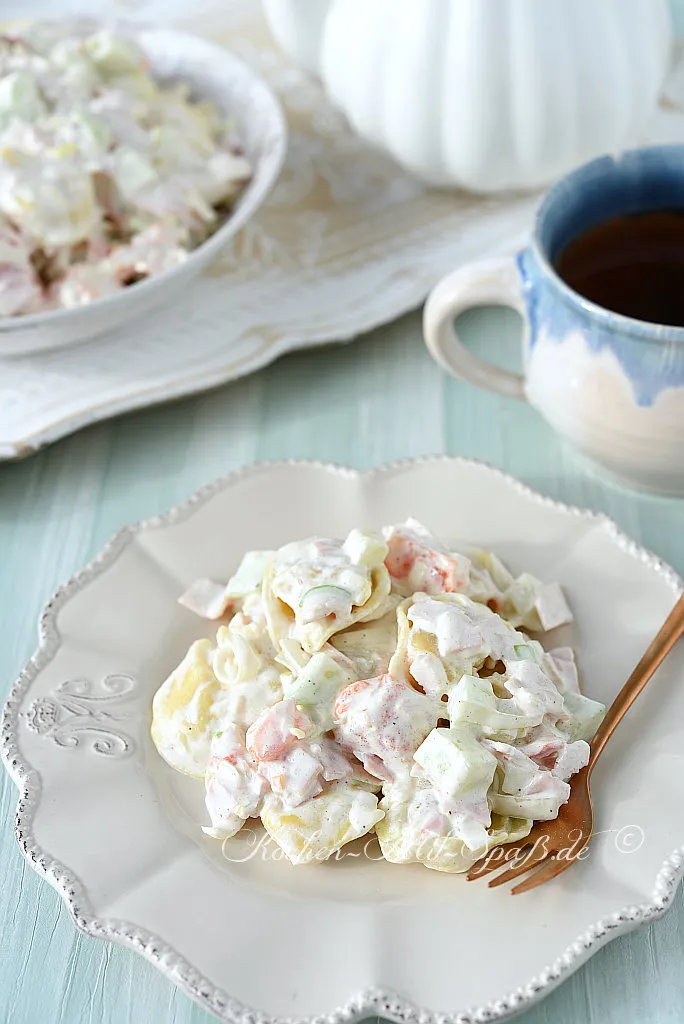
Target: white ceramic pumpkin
<point x="486" y="94"/>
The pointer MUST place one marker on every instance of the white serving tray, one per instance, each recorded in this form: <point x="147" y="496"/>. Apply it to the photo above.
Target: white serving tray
<point x="347" y="241"/>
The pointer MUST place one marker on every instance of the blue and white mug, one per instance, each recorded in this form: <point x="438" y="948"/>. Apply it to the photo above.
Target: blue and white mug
<point x="613" y="386"/>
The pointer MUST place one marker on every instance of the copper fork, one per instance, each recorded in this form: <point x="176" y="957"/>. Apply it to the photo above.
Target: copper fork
<point x="552" y="846"/>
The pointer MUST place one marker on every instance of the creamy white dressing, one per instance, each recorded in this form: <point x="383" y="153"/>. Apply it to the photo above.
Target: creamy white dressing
<point x="383" y="722"/>
<point x="235" y="790"/>
<point x="369" y="645"/>
<point x="418" y="562"/>
<point x="318" y="580"/>
<point x="106" y="176"/>
<point x="190" y="744"/>
<point x="329" y="683"/>
<point x="463" y="627"/>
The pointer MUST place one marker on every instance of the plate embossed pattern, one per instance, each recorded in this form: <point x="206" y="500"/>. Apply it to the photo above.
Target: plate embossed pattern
<point x="177" y="967"/>
<point x="76" y="709"/>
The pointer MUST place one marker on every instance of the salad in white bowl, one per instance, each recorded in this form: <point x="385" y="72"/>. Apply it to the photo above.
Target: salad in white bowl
<point x="127" y="158"/>
<point x="382" y="684"/>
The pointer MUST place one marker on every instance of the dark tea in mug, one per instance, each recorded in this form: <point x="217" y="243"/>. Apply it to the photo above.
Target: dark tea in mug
<point x="632" y="264"/>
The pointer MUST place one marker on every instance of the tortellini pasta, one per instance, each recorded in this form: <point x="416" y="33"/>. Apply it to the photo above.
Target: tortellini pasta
<point x="379" y="683"/>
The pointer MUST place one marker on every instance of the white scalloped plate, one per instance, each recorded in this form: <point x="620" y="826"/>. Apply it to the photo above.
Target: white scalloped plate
<point x="117" y="832"/>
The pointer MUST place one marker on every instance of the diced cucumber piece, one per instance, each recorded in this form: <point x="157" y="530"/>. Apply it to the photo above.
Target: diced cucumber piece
<point x="518" y="769"/>
<point x="586" y="715"/>
<point x="473" y="701"/>
<point x="520" y="598"/>
<point x="19" y="97"/>
<point x="292" y="656"/>
<point x="364" y="547"/>
<point x="487" y="560"/>
<point x="319" y="681"/>
<point x="250" y="573"/>
<point x="536" y="605"/>
<point x="113" y="54"/>
<point x="530" y="651"/>
<point x="455" y="758"/>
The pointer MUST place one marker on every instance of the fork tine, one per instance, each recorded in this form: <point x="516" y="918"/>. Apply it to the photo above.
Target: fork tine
<point x="497" y="858"/>
<point x="544" y="873"/>
<point x="525" y="864"/>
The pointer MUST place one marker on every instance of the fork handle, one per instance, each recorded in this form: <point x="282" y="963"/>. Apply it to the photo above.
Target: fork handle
<point x="672" y="630"/>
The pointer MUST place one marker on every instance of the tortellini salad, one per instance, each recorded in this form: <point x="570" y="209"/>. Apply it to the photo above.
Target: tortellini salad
<point x="378" y="684"/>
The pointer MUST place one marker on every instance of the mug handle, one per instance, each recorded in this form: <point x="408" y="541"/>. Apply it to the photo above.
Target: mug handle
<point x="493" y="282"/>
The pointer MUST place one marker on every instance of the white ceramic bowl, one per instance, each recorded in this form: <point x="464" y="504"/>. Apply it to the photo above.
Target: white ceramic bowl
<point x="214" y="73"/>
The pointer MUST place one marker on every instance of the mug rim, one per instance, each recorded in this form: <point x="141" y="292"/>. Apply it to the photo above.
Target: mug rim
<point x="647" y="329"/>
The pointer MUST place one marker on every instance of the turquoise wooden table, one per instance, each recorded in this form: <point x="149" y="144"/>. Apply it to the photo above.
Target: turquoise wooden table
<point x="349" y="404"/>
